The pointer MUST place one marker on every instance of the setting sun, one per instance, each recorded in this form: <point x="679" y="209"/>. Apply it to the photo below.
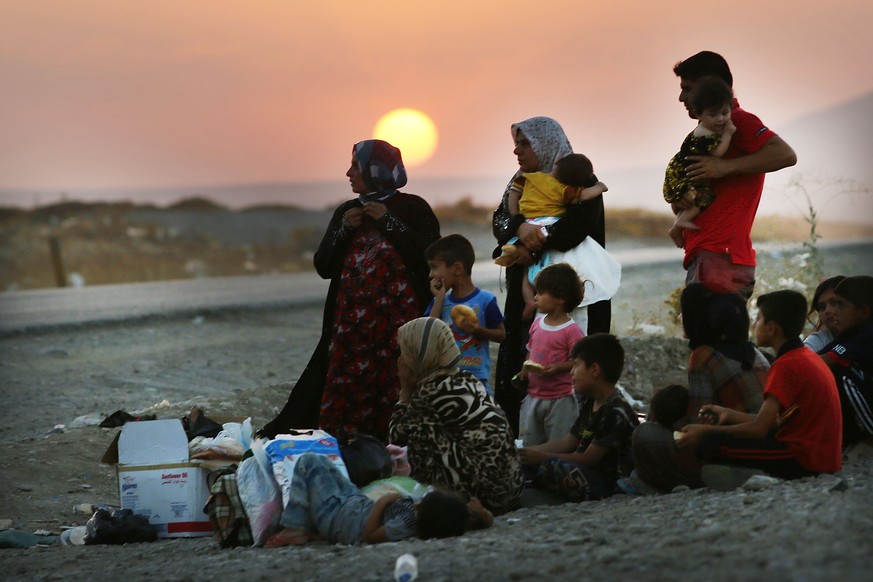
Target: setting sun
<point x="410" y="130"/>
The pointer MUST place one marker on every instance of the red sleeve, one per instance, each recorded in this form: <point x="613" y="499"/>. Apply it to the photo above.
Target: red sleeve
<point x="751" y="134"/>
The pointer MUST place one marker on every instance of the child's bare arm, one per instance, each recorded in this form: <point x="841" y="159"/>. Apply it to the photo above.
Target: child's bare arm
<point x="559" y="449"/>
<point x="592" y="191"/>
<point x="560" y="368"/>
<point x="748" y="426"/>
<point x="439" y="296"/>
<point x="725" y="142"/>
<point x="374" y="531"/>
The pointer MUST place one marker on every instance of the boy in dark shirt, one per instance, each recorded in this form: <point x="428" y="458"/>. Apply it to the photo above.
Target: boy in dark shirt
<point x="584" y="464"/>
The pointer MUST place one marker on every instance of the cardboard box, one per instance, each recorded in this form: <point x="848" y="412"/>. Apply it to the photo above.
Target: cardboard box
<point x="156" y="479"/>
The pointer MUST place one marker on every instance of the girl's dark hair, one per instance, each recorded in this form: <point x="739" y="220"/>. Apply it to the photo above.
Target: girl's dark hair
<point x="710" y="93"/>
<point x="442" y="514"/>
<point x="828" y="284"/>
<point x="561" y="282"/>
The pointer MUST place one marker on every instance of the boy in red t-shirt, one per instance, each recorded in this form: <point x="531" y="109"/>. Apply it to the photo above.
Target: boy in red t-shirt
<point x="798" y="430"/>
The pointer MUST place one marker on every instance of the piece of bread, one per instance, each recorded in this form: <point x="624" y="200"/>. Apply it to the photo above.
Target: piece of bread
<point x="507" y="255"/>
<point x="532" y="366"/>
<point x="462" y="313"/>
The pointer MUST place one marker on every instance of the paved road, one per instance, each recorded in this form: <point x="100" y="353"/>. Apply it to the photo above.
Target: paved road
<point x="55" y="308"/>
<point x="58" y="308"/>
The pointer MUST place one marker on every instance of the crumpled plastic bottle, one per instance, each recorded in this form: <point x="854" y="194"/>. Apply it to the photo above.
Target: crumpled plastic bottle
<point x="406" y="568"/>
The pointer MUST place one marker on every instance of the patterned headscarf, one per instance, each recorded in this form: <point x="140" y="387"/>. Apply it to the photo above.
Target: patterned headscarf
<point x="382" y="168"/>
<point x="547" y="138"/>
<point x="428" y="346"/>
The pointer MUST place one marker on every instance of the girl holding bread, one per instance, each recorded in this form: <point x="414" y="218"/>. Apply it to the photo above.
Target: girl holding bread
<point x="550" y="408"/>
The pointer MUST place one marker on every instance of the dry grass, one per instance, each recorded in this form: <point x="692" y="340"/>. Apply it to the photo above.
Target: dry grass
<point x="103" y="245"/>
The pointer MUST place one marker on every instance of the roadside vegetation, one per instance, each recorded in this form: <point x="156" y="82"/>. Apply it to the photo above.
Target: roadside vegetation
<point x="75" y="243"/>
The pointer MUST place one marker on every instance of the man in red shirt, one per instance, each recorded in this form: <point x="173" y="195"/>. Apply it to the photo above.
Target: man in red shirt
<point x="720" y="254"/>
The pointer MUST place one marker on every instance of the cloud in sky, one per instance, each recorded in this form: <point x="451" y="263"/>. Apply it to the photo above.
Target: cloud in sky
<point x="101" y="93"/>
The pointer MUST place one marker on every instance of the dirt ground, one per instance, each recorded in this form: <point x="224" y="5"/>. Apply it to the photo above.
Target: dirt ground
<point x="56" y="386"/>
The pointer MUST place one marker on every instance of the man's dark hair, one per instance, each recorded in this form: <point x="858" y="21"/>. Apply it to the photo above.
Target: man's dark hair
<point x="710" y="92"/>
<point x="858" y="290"/>
<point x="441" y="514"/>
<point x="669" y="405"/>
<point x="787" y="308"/>
<point x="603" y="349"/>
<point x="702" y="64"/>
<point x="452" y="249"/>
<point x="575" y="170"/>
<point x="561" y="282"/>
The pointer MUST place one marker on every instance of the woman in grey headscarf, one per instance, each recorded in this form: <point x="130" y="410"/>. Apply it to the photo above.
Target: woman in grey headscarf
<point x="539" y="143"/>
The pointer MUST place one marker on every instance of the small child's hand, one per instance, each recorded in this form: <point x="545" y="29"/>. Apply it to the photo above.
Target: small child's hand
<point x="437" y="287"/>
<point x="690" y="195"/>
<point x="549" y="370"/>
<point x="729" y="128"/>
<point x="467" y="326"/>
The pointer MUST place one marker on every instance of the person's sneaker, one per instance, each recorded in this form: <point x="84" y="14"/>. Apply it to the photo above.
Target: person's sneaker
<point x="727" y="477"/>
<point x="633" y="485"/>
<point x="627" y="486"/>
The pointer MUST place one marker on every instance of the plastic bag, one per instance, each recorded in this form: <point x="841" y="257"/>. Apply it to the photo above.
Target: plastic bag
<point x="406" y="486"/>
<point x="118" y="527"/>
<point x="230" y="443"/>
<point x="366" y="458"/>
<point x="239" y="431"/>
<point x="260" y="494"/>
<point x="285" y="449"/>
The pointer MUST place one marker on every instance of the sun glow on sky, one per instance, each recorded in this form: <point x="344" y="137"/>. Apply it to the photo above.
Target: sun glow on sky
<point x="410" y="130"/>
<point x="101" y="95"/>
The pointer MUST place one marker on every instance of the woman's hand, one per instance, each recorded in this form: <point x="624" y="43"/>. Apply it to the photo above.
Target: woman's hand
<point x="353" y="217"/>
<point x="523" y="257"/>
<point x="375" y="210"/>
<point x="531" y="236"/>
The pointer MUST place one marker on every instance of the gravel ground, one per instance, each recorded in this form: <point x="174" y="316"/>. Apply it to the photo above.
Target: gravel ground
<point x="245" y="363"/>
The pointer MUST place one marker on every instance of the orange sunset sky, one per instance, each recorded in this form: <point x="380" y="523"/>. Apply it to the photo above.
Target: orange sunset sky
<point x="113" y="94"/>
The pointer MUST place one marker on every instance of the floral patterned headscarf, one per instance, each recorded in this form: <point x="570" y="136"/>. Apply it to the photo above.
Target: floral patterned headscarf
<point x="382" y="168"/>
<point x="428" y="346"/>
<point x="547" y="138"/>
